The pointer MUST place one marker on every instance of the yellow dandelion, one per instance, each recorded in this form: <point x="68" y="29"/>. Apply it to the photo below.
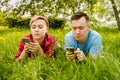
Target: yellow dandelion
<point x="3" y="28"/>
<point x="2" y="39"/>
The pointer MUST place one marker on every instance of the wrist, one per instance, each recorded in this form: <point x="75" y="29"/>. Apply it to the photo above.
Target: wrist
<point x="23" y="55"/>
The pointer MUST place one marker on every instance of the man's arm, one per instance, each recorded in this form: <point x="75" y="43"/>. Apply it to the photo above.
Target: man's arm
<point x="68" y="44"/>
<point x="96" y="48"/>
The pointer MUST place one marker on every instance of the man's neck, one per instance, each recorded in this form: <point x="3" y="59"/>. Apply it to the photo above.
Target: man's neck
<point x="81" y="43"/>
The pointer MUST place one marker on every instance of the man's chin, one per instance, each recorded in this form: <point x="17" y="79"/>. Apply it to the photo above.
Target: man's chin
<point x="76" y="38"/>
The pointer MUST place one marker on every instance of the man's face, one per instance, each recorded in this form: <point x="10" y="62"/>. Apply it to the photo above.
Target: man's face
<point x="80" y="29"/>
<point x="38" y="29"/>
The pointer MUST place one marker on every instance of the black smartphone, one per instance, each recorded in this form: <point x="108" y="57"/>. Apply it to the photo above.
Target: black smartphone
<point x="26" y="40"/>
<point x="71" y="49"/>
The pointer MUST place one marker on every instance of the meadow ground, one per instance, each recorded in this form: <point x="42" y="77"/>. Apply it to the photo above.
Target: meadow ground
<point x="107" y="68"/>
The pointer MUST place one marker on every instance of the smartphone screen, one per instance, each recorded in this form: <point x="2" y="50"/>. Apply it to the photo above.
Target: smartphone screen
<point x="26" y="40"/>
<point x="71" y="49"/>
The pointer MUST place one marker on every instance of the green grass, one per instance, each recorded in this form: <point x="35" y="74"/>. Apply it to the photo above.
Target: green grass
<point x="107" y="68"/>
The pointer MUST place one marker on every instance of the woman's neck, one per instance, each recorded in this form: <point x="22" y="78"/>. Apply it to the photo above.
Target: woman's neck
<point x="39" y="40"/>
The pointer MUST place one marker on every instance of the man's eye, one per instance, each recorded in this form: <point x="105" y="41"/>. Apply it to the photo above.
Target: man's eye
<point x="81" y="28"/>
<point x="74" y="28"/>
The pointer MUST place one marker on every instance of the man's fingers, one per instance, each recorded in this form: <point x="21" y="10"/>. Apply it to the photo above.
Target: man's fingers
<point x="68" y="53"/>
<point x="78" y="52"/>
<point x="70" y="57"/>
<point x="78" y="49"/>
<point x="80" y="56"/>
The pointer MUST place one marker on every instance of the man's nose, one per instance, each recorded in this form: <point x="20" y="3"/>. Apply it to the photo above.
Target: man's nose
<point x="77" y="31"/>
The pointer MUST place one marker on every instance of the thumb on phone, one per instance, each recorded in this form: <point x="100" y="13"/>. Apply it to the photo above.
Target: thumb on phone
<point x="78" y="49"/>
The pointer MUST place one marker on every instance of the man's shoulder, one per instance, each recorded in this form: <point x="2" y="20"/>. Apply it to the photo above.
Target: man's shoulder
<point x="94" y="33"/>
<point x="69" y="34"/>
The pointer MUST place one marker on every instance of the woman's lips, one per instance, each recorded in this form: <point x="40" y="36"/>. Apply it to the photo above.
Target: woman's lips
<point x="36" y="34"/>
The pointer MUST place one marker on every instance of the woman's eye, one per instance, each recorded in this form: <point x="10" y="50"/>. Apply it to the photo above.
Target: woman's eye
<point x="40" y="27"/>
<point x="33" y="27"/>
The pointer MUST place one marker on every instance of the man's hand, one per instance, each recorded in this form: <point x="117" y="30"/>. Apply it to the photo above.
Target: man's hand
<point x="70" y="56"/>
<point x="80" y="54"/>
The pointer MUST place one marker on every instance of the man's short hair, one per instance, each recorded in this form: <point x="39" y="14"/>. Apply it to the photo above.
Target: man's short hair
<point x="79" y="15"/>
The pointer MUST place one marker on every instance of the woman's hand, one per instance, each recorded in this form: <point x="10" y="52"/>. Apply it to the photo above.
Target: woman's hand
<point x="35" y="49"/>
<point x="25" y="52"/>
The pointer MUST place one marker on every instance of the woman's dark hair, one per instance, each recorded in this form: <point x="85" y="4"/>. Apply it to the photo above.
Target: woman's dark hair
<point x="79" y="15"/>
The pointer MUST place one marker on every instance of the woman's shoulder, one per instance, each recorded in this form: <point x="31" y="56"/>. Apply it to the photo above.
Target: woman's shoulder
<point x="50" y="37"/>
<point x="27" y="36"/>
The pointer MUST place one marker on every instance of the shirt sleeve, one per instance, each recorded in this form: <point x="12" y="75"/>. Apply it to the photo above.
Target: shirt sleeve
<point x="96" y="46"/>
<point x="20" y="49"/>
<point x="50" y="49"/>
<point x="67" y="42"/>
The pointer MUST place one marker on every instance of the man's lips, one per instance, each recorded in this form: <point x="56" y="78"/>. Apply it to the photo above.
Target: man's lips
<point x="78" y="36"/>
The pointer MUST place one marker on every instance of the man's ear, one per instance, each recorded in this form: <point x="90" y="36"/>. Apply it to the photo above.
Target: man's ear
<point x="89" y="24"/>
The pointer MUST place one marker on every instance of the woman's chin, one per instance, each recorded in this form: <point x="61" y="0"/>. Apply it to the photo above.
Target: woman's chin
<point x="36" y="38"/>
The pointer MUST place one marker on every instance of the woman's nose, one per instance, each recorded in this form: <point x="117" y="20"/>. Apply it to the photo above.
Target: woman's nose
<point x="36" y="29"/>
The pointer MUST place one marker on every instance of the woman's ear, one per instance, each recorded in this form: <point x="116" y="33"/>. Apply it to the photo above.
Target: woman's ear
<point x="47" y="29"/>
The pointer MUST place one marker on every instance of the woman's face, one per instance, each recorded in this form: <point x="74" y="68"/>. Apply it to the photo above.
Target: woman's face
<point x="38" y="29"/>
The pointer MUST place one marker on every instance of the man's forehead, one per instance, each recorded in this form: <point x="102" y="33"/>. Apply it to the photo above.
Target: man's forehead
<point x="79" y="22"/>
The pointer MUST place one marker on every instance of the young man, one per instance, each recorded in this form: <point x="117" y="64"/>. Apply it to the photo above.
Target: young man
<point x="82" y="39"/>
<point x="40" y="42"/>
